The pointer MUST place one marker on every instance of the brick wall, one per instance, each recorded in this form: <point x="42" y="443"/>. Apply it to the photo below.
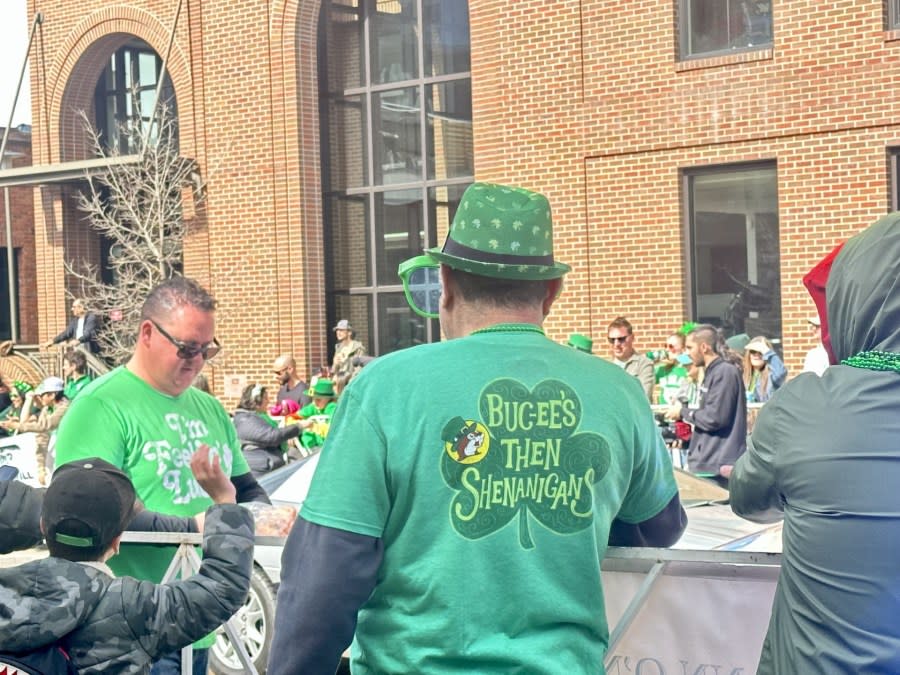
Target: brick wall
<point x="21" y="210"/>
<point x="583" y="100"/>
<point x="589" y="104"/>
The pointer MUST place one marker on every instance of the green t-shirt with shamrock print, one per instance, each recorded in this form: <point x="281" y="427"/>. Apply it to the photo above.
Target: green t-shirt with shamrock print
<point x="491" y="467"/>
<point x="151" y="437"/>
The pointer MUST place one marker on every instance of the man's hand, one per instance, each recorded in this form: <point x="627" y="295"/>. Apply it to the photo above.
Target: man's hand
<point x="209" y="474"/>
<point x="725" y="470"/>
<point x="674" y="412"/>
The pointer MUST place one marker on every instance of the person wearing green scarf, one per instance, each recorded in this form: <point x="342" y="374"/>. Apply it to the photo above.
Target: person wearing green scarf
<point x="824" y="456"/>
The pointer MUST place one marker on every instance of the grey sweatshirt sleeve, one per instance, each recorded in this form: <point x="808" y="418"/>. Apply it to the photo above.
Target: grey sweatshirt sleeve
<point x="327" y="575"/>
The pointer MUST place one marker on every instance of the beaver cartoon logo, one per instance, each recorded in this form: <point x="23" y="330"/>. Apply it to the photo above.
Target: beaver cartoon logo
<point x="465" y="441"/>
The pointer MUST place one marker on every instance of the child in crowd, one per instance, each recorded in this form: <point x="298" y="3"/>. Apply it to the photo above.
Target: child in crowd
<point x="118" y="625"/>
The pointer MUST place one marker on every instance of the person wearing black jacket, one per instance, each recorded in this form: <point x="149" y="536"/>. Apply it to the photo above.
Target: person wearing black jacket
<point x="81" y="331"/>
<point x="720" y="422"/>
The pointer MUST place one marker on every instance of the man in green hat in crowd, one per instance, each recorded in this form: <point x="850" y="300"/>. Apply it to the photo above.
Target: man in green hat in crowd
<point x="468" y="489"/>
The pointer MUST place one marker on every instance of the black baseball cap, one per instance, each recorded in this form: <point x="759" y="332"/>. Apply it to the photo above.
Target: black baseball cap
<point x="88" y="504"/>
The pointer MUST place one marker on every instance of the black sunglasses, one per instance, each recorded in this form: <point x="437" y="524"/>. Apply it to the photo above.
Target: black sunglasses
<point x="188" y="350"/>
<point x="618" y="339"/>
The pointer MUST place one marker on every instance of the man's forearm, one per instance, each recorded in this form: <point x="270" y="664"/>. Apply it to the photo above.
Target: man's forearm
<point x="327" y="575"/>
<point x="663" y="529"/>
<point x="151" y="521"/>
<point x="249" y="490"/>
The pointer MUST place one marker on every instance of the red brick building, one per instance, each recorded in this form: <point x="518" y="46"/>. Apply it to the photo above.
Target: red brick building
<point x="21" y="213"/>
<point x="691" y="149"/>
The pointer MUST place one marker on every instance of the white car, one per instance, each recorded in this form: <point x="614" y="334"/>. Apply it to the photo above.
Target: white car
<point x="256" y="619"/>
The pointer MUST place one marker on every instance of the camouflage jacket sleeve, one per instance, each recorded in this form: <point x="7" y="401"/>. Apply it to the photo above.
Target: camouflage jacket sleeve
<point x="20" y="516"/>
<point x="166" y="617"/>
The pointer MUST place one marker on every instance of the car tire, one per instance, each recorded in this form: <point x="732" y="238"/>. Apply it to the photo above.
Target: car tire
<point x="255" y="622"/>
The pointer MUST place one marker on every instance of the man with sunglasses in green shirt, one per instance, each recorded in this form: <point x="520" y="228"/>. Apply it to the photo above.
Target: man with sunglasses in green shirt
<point x="467" y="491"/>
<point x="146" y="419"/>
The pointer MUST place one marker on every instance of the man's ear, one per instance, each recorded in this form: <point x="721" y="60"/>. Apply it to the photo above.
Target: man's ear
<point x="448" y="291"/>
<point x="113" y="548"/>
<point x="144" y="332"/>
<point x="554" y="290"/>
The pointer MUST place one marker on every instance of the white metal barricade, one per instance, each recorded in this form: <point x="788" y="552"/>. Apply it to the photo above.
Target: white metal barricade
<point x="185" y="563"/>
<point x="677" y="611"/>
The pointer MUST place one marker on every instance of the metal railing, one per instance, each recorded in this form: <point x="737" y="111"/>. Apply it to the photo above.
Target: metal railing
<point x="185" y="563"/>
<point x="50" y="362"/>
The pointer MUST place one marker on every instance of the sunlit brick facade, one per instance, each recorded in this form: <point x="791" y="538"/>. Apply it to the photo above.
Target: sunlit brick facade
<point x="591" y="102"/>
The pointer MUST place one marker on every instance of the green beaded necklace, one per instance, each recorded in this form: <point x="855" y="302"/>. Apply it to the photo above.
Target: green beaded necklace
<point x="874" y="360"/>
<point x="510" y="328"/>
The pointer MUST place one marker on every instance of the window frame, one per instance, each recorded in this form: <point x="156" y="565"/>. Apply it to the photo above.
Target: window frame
<point x="683" y="23"/>
<point x="375" y="180"/>
<point x="688" y="207"/>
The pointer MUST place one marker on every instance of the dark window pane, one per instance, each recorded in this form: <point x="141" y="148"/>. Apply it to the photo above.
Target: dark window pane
<point x="347" y="143"/>
<point x="398" y="326"/>
<point x="344" y="54"/>
<point x="399" y="231"/>
<point x="397" y="136"/>
<point x="736" y="255"/>
<point x="442" y="204"/>
<point x="446" y="36"/>
<point x="394" y="41"/>
<point x="349" y="249"/>
<point x="378" y="146"/>
<point x="450" y="130"/>
<point x="725" y="25"/>
<point x="5" y="313"/>
<point x="125" y="95"/>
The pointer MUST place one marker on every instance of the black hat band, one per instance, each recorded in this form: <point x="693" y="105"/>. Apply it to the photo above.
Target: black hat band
<point x="454" y="248"/>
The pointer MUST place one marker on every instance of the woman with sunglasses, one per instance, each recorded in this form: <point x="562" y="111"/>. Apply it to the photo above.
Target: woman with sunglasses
<point x="764" y="371"/>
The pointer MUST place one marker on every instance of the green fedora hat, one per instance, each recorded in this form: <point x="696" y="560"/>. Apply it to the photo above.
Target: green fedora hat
<point x="323" y="387"/>
<point x="581" y="342"/>
<point x="502" y="232"/>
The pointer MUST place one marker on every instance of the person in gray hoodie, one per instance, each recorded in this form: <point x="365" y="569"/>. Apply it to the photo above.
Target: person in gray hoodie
<point x="120" y="625"/>
<point x="824" y="456"/>
<point x="719" y="421"/>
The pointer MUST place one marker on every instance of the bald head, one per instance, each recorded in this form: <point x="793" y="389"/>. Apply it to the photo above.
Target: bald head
<point x="284" y="361"/>
<point x="286" y="370"/>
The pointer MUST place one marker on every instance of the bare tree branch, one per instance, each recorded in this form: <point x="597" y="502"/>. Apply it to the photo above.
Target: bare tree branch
<point x="138" y="209"/>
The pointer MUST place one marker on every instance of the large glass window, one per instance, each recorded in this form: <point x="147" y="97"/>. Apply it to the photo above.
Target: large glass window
<point x="397" y="118"/>
<point x="126" y="112"/>
<point x="735" y="263"/>
<point x="723" y="26"/>
<point x="125" y="96"/>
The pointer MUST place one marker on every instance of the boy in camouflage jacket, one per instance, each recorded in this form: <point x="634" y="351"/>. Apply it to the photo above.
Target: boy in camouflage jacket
<point x="121" y="625"/>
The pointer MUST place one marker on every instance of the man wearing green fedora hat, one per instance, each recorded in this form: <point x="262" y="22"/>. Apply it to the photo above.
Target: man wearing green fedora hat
<point x="469" y="488"/>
